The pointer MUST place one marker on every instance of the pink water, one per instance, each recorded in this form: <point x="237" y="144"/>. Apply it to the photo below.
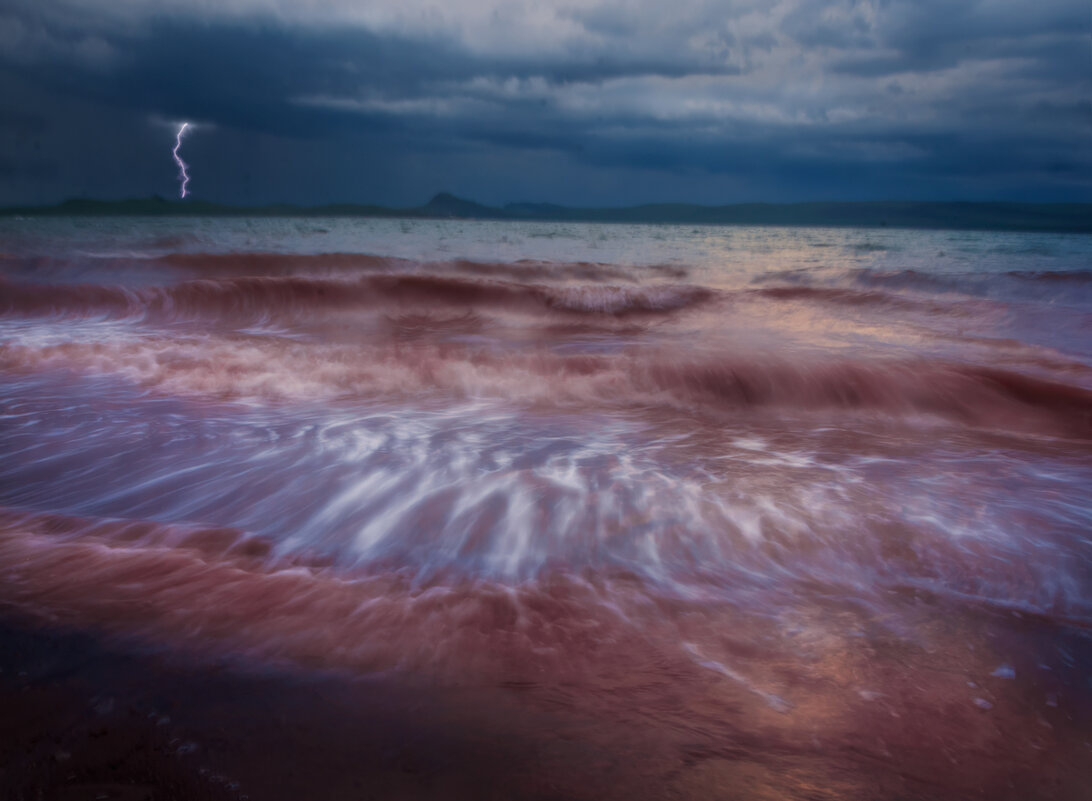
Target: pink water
<point x="793" y="501"/>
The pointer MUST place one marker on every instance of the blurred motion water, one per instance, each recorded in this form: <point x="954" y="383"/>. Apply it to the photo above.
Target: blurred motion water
<point x="757" y="490"/>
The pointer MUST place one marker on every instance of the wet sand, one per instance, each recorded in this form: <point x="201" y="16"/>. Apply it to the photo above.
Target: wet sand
<point x="88" y="718"/>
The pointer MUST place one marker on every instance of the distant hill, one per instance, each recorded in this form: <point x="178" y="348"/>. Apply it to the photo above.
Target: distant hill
<point x="988" y="216"/>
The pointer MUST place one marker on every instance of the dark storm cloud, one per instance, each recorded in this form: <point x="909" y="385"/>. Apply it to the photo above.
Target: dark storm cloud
<point x="696" y="100"/>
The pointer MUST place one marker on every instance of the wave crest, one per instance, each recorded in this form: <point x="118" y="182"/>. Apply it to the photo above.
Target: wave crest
<point x="229" y="368"/>
<point x="249" y="299"/>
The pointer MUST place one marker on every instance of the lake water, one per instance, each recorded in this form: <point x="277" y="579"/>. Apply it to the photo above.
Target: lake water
<point x="793" y="510"/>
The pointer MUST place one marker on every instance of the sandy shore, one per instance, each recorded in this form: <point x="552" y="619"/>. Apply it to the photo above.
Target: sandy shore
<point x="90" y="719"/>
<point x="84" y="720"/>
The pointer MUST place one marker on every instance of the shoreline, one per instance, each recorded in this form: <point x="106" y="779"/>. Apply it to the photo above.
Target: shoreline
<point x="90" y="717"/>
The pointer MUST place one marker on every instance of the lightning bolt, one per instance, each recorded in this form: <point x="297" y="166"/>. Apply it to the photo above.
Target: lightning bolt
<point x="183" y="176"/>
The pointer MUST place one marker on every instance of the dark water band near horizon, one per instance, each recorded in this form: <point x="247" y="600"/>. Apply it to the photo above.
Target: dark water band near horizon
<point x="305" y="508"/>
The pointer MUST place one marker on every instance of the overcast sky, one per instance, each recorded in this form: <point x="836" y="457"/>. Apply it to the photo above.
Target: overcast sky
<point x="583" y="102"/>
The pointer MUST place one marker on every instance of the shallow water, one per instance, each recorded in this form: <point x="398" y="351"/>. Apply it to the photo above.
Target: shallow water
<point x="748" y="489"/>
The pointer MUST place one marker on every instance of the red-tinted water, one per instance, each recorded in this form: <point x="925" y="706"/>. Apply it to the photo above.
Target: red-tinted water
<point x="800" y="535"/>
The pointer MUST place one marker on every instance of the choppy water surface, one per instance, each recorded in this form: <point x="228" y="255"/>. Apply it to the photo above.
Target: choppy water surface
<point x="759" y="492"/>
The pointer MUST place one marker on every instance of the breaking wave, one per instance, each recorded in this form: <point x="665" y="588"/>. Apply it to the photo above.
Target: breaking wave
<point x="256" y="299"/>
<point x="257" y="368"/>
<point x="909" y="287"/>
